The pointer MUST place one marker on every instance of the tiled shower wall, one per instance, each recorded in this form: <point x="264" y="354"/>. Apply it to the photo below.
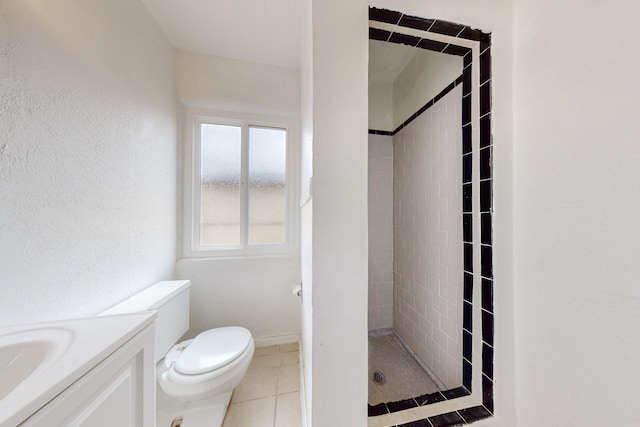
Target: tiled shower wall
<point x="428" y="253"/>
<point x="380" y="231"/>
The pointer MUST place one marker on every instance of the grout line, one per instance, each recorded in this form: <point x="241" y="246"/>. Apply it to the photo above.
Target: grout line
<point x="275" y="408"/>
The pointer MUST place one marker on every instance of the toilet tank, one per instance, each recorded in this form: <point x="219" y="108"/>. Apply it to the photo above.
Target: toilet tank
<point x="171" y="300"/>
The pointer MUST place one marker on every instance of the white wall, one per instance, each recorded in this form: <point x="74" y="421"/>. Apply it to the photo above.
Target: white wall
<point x="87" y="156"/>
<point x="380" y="231"/>
<point x="427" y="237"/>
<point x="576" y="212"/>
<point x="339" y="227"/>
<point x="392" y="102"/>
<point x="306" y="214"/>
<point x="494" y="16"/>
<point x="381" y="105"/>
<point x="252" y="292"/>
<point x="225" y="84"/>
<point x="424" y="76"/>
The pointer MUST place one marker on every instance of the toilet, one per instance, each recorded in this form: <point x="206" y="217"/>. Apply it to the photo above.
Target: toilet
<point x="196" y="377"/>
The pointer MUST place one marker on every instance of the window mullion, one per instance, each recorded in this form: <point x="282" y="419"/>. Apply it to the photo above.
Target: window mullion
<point x="197" y="186"/>
<point x="244" y="211"/>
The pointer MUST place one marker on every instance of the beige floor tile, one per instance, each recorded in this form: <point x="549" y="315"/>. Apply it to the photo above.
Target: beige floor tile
<point x="271" y="360"/>
<point x="257" y="383"/>
<point x="253" y="413"/>
<point x="284" y="348"/>
<point x="288" y="412"/>
<point x="261" y="351"/>
<point x="288" y="379"/>
<point x="290" y="358"/>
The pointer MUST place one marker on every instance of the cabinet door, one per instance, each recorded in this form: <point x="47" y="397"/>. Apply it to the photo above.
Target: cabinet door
<point x="120" y="391"/>
<point x="112" y="404"/>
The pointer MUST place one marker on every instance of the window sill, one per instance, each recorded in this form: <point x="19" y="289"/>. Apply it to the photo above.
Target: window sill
<point x="288" y="255"/>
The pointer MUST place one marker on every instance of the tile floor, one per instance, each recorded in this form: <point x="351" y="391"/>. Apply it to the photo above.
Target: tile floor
<point x="404" y="376"/>
<point x="269" y="394"/>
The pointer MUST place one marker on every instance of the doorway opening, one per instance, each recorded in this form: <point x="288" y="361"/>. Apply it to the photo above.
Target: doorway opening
<point x="430" y="215"/>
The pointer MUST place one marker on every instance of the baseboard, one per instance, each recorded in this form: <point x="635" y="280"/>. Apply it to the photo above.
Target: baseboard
<point x="276" y="340"/>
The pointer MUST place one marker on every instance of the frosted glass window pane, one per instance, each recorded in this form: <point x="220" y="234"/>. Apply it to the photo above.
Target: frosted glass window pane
<point x="267" y="185"/>
<point x="220" y="185"/>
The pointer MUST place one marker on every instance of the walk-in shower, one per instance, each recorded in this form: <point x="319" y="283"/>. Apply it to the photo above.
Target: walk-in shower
<point x="429" y="187"/>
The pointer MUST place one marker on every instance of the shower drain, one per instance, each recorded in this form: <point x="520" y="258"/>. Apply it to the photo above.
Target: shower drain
<point x="379" y="378"/>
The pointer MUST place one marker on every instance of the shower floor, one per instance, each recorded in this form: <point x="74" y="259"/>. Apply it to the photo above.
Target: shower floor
<point x="405" y="378"/>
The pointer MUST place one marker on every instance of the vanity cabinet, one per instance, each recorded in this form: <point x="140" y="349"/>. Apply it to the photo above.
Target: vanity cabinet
<point x="118" y="391"/>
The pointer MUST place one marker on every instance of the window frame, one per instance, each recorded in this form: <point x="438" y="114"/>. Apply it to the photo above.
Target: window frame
<point x="192" y="164"/>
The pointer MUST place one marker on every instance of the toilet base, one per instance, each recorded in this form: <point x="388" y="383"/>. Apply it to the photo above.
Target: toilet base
<point x="200" y="413"/>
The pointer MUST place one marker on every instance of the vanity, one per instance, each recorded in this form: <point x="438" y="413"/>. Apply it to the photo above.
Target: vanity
<point x="95" y="372"/>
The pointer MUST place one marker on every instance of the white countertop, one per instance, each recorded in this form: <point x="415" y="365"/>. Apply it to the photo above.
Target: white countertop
<point x="80" y="344"/>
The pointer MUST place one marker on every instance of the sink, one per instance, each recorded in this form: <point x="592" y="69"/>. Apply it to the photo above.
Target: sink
<point x="39" y="361"/>
<point x="24" y="353"/>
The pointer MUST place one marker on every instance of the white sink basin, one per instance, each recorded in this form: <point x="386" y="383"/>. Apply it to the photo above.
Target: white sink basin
<point x="24" y="353"/>
<point x="39" y="361"/>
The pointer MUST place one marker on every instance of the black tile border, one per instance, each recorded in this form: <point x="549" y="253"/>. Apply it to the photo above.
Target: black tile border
<point x="455" y="418"/>
<point x="467" y="415"/>
<point x="422" y="109"/>
<point x="447" y="420"/>
<point x="404" y="39"/>
<point x="474" y="413"/>
<point x="384" y="15"/>
<point x="377" y="34"/>
<point x="424" y="400"/>
<point x="428" y="399"/>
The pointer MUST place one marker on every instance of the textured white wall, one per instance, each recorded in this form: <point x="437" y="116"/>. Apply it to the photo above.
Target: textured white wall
<point x="87" y="156"/>
<point x="427" y="237"/>
<point x="380" y="231"/>
<point x="577" y="234"/>
<point x="252" y="292"/>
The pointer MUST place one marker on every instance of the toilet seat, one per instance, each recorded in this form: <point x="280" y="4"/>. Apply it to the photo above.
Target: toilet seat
<point x="209" y="351"/>
<point x="222" y="365"/>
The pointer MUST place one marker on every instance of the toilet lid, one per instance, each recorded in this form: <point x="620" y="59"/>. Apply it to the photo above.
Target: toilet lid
<point x="211" y="350"/>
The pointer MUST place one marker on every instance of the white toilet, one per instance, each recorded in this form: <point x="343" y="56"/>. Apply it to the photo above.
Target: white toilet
<point x="197" y="376"/>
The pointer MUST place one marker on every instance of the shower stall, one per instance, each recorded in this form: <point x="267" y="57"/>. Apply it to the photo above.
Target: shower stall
<point x="416" y="270"/>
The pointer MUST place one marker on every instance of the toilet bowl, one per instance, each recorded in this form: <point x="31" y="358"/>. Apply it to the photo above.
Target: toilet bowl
<point x="196" y="377"/>
<point x="208" y="366"/>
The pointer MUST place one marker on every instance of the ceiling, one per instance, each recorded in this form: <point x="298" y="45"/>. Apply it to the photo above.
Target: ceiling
<point x="387" y="60"/>
<point x="264" y="31"/>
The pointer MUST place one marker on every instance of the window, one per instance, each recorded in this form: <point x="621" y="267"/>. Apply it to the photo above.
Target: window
<point x="239" y="187"/>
